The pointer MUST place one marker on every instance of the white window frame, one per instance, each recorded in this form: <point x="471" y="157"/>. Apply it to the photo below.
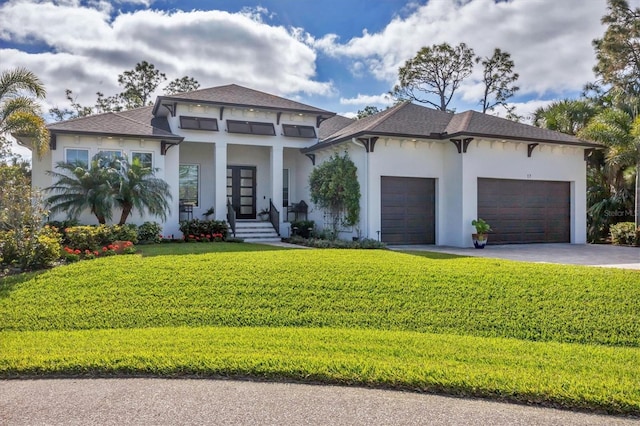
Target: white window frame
<point x="153" y="157"/>
<point x="66" y="150"/>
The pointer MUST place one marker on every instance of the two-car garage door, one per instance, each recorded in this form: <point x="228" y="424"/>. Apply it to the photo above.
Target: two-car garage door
<point x="525" y="211"/>
<point x="519" y="211"/>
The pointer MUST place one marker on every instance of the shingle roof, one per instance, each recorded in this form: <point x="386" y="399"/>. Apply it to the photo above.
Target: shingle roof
<point x="332" y="125"/>
<point x="410" y="120"/>
<point x="232" y="94"/>
<point x="135" y="122"/>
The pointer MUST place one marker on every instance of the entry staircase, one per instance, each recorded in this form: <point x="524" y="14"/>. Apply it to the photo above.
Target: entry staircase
<point x="256" y="231"/>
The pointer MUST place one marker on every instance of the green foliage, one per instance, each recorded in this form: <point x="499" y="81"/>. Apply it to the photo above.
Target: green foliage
<point x="625" y="234"/>
<point x="437" y="71"/>
<point x="30" y="249"/>
<point x="334" y="186"/>
<point x="19" y="112"/>
<point x="199" y="229"/>
<point x="105" y="183"/>
<point x="618" y="52"/>
<point x="468" y="326"/>
<point x="567" y="375"/>
<point x="367" y="111"/>
<point x="149" y="232"/>
<point x="92" y="237"/>
<point x="365" y="243"/>
<point x="481" y="226"/>
<point x="182" y="85"/>
<point x="498" y="79"/>
<point x="303" y="228"/>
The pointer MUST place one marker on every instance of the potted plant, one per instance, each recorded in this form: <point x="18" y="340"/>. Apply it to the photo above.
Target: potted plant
<point x="264" y="214"/>
<point x="480" y="237"/>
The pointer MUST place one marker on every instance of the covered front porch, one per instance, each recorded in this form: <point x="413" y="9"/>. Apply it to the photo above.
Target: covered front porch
<point x="215" y="178"/>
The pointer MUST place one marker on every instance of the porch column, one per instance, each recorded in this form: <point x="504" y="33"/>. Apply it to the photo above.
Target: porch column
<point x="221" y="180"/>
<point x="276" y="179"/>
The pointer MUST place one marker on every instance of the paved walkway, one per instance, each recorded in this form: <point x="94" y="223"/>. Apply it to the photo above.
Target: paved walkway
<point x="571" y="254"/>
<point x="227" y="402"/>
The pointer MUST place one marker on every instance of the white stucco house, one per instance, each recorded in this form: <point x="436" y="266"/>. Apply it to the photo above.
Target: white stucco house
<point x="424" y="174"/>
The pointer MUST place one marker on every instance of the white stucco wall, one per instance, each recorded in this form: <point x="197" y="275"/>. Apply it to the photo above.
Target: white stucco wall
<point x="457" y="176"/>
<point x="94" y="145"/>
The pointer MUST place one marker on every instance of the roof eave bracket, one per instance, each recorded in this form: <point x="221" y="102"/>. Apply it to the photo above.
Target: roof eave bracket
<point x="312" y="157"/>
<point x="461" y="144"/>
<point x="165" y="146"/>
<point x="530" y="148"/>
<point x="369" y="143"/>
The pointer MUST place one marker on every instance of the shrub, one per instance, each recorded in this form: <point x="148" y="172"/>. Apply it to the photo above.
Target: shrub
<point x="303" y="228"/>
<point x="198" y="230"/>
<point x="625" y="234"/>
<point x="48" y="248"/>
<point x="94" y="237"/>
<point x="8" y="247"/>
<point x="366" y="243"/>
<point x="149" y="233"/>
<point x="30" y="250"/>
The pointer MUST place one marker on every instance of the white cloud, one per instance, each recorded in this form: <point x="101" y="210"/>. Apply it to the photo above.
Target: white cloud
<point x="549" y="40"/>
<point x="382" y="99"/>
<point x="89" y="48"/>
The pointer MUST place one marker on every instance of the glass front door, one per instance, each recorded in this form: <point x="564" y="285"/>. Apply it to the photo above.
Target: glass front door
<point x="241" y="190"/>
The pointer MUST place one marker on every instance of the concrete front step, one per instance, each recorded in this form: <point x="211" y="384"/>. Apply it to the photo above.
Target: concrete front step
<point x="262" y="240"/>
<point x="256" y="231"/>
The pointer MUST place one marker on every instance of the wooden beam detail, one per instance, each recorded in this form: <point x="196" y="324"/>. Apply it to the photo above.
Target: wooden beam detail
<point x="278" y="117"/>
<point x="530" y="148"/>
<point x="221" y="112"/>
<point x="312" y="157"/>
<point x="369" y="143"/>
<point x="588" y="152"/>
<point x="53" y="142"/>
<point x="164" y="147"/>
<point x="461" y="144"/>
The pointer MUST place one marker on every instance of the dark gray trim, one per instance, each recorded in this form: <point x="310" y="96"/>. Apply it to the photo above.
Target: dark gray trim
<point x="530" y="148"/>
<point x="312" y="157"/>
<point x="199" y="120"/>
<point x="251" y="124"/>
<point x="278" y="115"/>
<point x="289" y="127"/>
<point x="221" y="112"/>
<point x="461" y="144"/>
<point x="369" y="143"/>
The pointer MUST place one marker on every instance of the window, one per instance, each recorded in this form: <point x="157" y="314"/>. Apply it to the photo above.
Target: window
<point x="251" y="127"/>
<point x="111" y="155"/>
<point x="285" y="187"/>
<point x="145" y="158"/>
<point x="188" y="186"/>
<point x="299" y="131"/>
<point x="77" y="156"/>
<point x="198" y="123"/>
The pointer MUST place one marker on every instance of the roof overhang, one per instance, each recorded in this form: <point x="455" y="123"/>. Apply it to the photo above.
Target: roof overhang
<point x="174" y="138"/>
<point x="169" y="100"/>
<point x="445" y="137"/>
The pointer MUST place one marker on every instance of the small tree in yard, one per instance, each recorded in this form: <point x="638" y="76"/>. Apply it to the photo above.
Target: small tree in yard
<point x="334" y="187"/>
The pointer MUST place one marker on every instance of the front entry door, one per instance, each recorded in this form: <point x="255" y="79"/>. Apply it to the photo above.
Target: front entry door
<point x="241" y="190"/>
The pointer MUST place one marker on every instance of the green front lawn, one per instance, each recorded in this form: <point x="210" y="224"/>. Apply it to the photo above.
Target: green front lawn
<point x="529" y="332"/>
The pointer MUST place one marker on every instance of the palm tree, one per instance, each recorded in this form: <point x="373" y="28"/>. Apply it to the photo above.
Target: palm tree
<point x="19" y="113"/>
<point x="139" y="189"/>
<point x="80" y="186"/>
<point x="566" y="116"/>
<point x="615" y="128"/>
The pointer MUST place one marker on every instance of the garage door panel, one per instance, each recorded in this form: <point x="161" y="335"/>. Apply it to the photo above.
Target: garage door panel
<point x="525" y="211"/>
<point x="408" y="210"/>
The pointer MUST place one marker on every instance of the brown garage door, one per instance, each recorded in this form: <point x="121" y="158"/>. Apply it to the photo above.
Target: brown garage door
<point x="525" y="211"/>
<point x="408" y="210"/>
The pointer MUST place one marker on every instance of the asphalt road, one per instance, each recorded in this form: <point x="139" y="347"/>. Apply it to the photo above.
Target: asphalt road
<point x="230" y="402"/>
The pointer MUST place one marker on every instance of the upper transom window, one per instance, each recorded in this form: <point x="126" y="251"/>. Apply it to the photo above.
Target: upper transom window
<point x="299" y="131"/>
<point x="198" y="123"/>
<point x="251" y="127"/>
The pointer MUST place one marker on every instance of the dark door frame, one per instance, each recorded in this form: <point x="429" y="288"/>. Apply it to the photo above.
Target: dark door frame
<point x="235" y="191"/>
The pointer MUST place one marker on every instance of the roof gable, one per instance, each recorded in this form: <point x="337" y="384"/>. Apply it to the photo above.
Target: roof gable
<point x="135" y="122"/>
<point x="416" y="121"/>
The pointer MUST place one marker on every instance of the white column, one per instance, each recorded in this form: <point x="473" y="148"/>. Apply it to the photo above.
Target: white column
<point x="221" y="180"/>
<point x="169" y="165"/>
<point x="276" y="179"/>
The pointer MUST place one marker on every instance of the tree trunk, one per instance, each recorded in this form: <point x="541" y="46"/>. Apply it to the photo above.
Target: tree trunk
<point x="126" y="211"/>
<point x="101" y="219"/>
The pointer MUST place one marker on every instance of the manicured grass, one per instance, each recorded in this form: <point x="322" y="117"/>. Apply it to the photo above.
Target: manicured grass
<point x="531" y="332"/>
<point x="199" y="248"/>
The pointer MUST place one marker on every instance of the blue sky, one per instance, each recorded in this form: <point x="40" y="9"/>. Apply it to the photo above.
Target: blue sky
<point x="337" y="55"/>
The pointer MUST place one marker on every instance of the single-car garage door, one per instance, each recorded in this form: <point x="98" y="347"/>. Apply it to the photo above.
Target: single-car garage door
<point x="408" y="210"/>
<point x="525" y="211"/>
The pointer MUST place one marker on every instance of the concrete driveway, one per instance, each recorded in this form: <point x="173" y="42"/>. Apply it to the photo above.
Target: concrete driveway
<point x="570" y="254"/>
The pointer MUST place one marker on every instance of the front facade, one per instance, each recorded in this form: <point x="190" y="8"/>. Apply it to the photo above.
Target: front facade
<point x="424" y="174"/>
